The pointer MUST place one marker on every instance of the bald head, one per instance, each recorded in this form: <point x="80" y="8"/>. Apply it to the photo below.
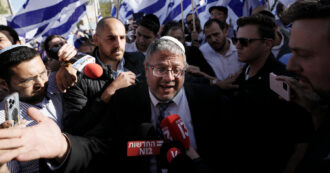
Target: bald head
<point x="110" y="38"/>
<point x="105" y="22"/>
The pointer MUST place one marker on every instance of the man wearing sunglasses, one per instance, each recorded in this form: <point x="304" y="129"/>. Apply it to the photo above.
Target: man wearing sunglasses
<point x="276" y="132"/>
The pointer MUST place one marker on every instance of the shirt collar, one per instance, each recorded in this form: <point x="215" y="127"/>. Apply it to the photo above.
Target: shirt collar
<point x="232" y="48"/>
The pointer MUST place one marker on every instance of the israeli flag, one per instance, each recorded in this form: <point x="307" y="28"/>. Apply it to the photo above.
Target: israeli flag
<point x="165" y="10"/>
<point x="287" y="3"/>
<point x="37" y="19"/>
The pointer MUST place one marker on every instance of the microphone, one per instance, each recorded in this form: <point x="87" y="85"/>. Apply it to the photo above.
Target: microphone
<point x="176" y="139"/>
<point x="81" y="62"/>
<point x="146" y="147"/>
<point x="174" y="129"/>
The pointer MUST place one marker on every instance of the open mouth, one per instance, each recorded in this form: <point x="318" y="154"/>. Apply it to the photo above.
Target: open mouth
<point x="167" y="88"/>
<point x="39" y="90"/>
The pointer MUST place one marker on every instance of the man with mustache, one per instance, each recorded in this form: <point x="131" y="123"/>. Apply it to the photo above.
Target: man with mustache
<point x="167" y="84"/>
<point x="36" y="88"/>
<point x="310" y="43"/>
<point x="88" y="96"/>
<point x="105" y="149"/>
<point x="219" y="51"/>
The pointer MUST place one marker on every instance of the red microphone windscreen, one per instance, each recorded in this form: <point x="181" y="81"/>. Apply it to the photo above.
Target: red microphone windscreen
<point x="172" y="153"/>
<point x="93" y="70"/>
<point x="174" y="129"/>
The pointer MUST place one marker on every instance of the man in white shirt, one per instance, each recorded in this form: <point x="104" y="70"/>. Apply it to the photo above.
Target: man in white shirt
<point x="219" y="51"/>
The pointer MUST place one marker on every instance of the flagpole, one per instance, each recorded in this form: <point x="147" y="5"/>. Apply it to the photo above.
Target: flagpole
<point x="268" y="4"/>
<point x="195" y="8"/>
<point x="182" y="19"/>
<point x="10" y="9"/>
<point x="117" y="7"/>
<point x="193" y="15"/>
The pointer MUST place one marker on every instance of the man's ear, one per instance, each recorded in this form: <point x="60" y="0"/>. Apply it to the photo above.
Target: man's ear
<point x="269" y="43"/>
<point x="95" y="39"/>
<point x="4" y="85"/>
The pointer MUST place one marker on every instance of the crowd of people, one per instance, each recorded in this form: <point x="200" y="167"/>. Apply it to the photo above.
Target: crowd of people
<point x="215" y="77"/>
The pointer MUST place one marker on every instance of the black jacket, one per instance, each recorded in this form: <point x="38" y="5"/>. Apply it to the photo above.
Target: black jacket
<point x="81" y="103"/>
<point x="130" y="107"/>
<point x="266" y="127"/>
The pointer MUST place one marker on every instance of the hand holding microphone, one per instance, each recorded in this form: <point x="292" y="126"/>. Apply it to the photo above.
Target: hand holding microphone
<point x="81" y="62"/>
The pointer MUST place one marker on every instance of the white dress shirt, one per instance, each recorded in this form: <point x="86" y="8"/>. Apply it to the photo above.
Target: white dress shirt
<point x="222" y="66"/>
<point x="180" y="107"/>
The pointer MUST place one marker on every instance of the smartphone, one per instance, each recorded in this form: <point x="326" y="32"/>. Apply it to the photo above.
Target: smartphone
<point x="279" y="87"/>
<point x="12" y="110"/>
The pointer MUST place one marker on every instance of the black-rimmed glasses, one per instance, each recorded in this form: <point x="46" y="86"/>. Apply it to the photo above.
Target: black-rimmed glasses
<point x="32" y="80"/>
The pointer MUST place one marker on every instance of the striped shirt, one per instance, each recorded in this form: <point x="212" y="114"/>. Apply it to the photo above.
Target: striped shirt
<point x="50" y="106"/>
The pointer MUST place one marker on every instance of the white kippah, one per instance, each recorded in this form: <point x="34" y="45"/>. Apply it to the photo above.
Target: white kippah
<point x="174" y="40"/>
<point x="10" y="47"/>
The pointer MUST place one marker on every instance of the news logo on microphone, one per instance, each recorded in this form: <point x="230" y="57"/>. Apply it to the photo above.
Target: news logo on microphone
<point x="144" y="148"/>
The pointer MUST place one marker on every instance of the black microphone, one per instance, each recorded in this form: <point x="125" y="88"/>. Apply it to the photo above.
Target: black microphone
<point x="81" y="62"/>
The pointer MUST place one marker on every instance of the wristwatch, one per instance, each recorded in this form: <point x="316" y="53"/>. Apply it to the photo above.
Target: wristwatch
<point x="214" y="81"/>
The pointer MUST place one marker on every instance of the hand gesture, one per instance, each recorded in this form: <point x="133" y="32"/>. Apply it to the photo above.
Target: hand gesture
<point x="123" y="80"/>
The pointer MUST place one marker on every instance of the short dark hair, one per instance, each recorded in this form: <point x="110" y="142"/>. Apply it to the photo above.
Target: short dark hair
<point x="306" y="9"/>
<point x="170" y="25"/>
<point x="267" y="13"/>
<point x="266" y="26"/>
<point x="151" y="22"/>
<point x="220" y="8"/>
<point x="218" y="22"/>
<point x="11" y="32"/>
<point x="48" y="39"/>
<point x="13" y="57"/>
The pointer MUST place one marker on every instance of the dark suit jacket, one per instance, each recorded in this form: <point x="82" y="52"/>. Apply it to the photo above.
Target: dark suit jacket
<point x="130" y="107"/>
<point x="82" y="104"/>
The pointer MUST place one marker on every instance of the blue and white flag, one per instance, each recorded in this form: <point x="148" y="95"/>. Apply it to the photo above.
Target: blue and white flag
<point x="38" y="19"/>
<point x="167" y="10"/>
<point x="287" y="3"/>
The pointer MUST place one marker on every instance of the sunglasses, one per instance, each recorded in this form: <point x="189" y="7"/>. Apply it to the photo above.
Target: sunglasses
<point x="245" y="41"/>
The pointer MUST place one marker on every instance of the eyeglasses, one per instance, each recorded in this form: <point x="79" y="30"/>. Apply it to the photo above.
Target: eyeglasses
<point x="26" y="83"/>
<point x="245" y="41"/>
<point x="163" y="71"/>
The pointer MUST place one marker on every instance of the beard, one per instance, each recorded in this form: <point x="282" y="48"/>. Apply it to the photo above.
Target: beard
<point x="221" y="45"/>
<point x="34" y="99"/>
